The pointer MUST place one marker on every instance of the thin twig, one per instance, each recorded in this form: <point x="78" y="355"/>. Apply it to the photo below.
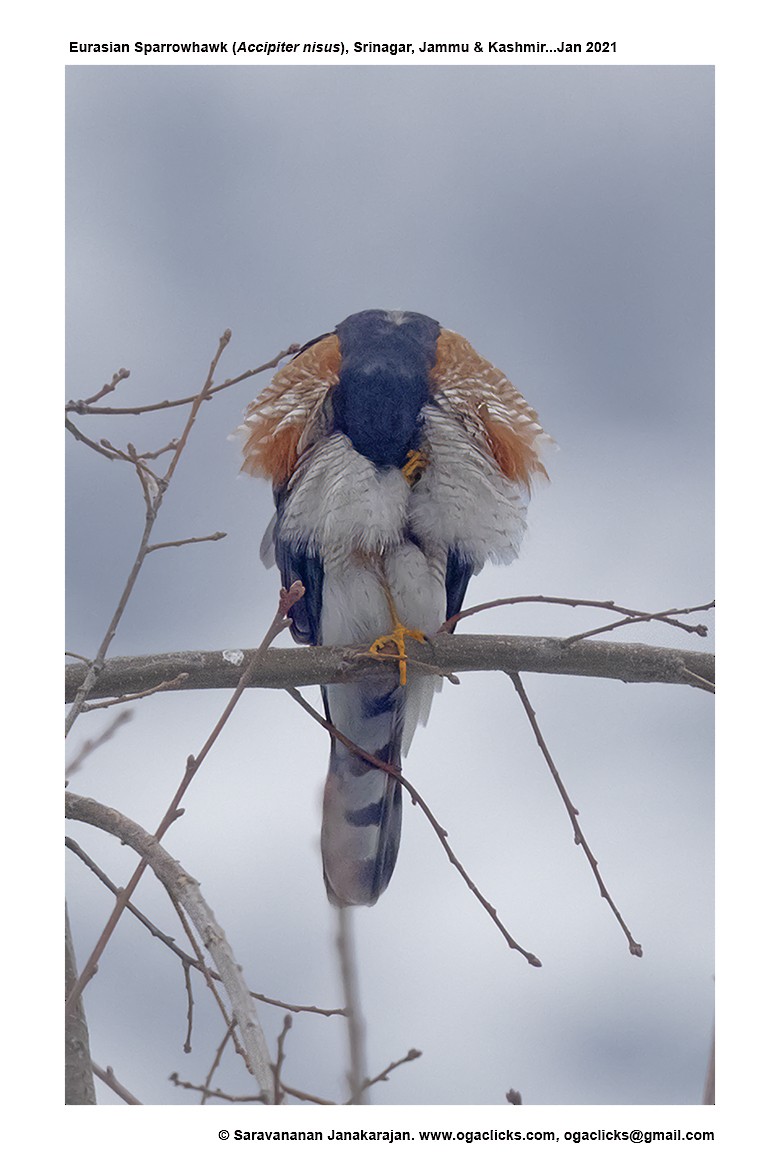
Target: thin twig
<point x="278" y="1091"/>
<point x="287" y="599"/>
<point x="441" y="833"/>
<point x="662" y="616"/>
<point x="210" y="983"/>
<point x="705" y="683"/>
<point x="84" y="406"/>
<point x="229" y="1034"/>
<point x="221" y="1095"/>
<point x="168" y="684"/>
<point x="310" y="1097"/>
<point x="82" y="438"/>
<point x="297" y="1007"/>
<point x="573" y="602"/>
<point x="108" y="1077"/>
<point x="108" y="388"/>
<point x="412" y="1054"/>
<point x="206" y="1092"/>
<point x="151" y="485"/>
<point x="186" y="959"/>
<point x="187" y="1045"/>
<point x="169" y="446"/>
<point x="129" y="456"/>
<point x="91" y="745"/>
<point x="183" y="888"/>
<point x="152" y="510"/>
<point x="579" y="839"/>
<point x="189" y="540"/>
<point x="155" y="931"/>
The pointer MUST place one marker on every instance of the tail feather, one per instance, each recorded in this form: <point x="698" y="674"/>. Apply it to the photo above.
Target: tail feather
<point x="359" y="846"/>
<point x="361" y="821"/>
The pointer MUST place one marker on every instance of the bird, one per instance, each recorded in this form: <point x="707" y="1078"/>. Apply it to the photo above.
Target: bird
<point x="401" y="462"/>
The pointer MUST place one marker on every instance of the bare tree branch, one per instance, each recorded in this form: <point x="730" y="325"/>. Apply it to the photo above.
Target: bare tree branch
<point x="184" y="890"/>
<point x="168" y="685"/>
<point x="417" y="799"/>
<point x="85" y="405"/>
<point x="579" y="837"/>
<point x="229" y="1034"/>
<point x="220" y="1095"/>
<point x="356" y="1026"/>
<point x="79" y="1084"/>
<point x="314" y="665"/>
<point x="106" y="1075"/>
<point x="91" y="745"/>
<point x="154" y="499"/>
<point x="189" y="961"/>
<point x="187" y="540"/>
<point x="123" y="680"/>
<point x="632" y="615"/>
<point x="412" y="1054"/>
<point x="709" y="1083"/>
<point x="287" y="598"/>
<point x="278" y="1091"/>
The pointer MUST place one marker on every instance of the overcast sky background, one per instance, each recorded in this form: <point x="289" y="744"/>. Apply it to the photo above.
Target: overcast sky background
<point x="560" y="218"/>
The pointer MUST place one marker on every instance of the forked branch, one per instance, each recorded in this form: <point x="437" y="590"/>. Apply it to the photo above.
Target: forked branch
<point x="185" y="891"/>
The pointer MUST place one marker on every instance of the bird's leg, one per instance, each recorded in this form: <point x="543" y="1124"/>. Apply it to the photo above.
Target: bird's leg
<point x="416" y="462"/>
<point x="397" y="637"/>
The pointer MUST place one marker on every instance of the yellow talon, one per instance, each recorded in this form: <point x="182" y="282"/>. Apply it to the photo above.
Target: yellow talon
<point x="398" y="639"/>
<point x="416" y="462"/>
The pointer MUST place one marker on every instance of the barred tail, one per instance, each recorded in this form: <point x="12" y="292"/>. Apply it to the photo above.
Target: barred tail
<point x="361" y="820"/>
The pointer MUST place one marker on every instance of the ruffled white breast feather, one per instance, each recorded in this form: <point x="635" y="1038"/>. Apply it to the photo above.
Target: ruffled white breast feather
<point x="340" y="502"/>
<point x="462" y="500"/>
